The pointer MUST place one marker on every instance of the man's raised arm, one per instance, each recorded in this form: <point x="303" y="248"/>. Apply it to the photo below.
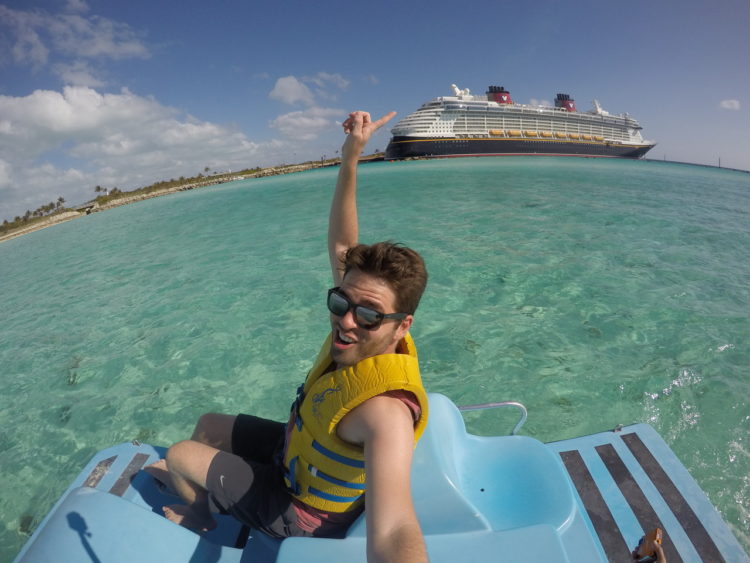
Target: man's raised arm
<point x="343" y="228"/>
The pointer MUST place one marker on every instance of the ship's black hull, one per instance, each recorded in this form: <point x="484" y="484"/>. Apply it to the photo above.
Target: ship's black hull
<point x="415" y="147"/>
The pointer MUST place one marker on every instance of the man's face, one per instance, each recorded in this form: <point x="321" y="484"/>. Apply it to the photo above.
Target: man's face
<point x="352" y="343"/>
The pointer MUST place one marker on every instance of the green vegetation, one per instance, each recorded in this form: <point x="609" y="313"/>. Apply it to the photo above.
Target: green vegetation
<point x="32" y="217"/>
<point x="169" y="185"/>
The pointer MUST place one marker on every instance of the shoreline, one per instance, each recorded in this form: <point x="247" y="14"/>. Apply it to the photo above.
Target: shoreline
<point x="93" y="206"/>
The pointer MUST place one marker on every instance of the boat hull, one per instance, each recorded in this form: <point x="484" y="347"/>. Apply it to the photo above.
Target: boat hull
<point x="429" y="147"/>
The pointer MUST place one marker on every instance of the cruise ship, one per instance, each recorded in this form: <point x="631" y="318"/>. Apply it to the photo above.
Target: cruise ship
<point x="468" y="125"/>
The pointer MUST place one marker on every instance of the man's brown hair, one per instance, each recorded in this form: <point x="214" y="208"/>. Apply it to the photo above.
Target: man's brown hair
<point x="401" y="267"/>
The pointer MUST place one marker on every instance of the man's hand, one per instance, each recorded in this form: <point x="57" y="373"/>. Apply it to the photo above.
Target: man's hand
<point x="359" y="127"/>
<point x="343" y="227"/>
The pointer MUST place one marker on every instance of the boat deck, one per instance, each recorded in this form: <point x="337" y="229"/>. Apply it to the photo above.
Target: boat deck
<point x="477" y="499"/>
<point x="629" y="481"/>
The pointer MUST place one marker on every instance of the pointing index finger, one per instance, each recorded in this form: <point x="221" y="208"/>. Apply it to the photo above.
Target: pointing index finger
<point x="383" y="120"/>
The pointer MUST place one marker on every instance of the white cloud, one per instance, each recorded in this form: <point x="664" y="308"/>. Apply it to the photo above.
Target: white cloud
<point x="37" y="34"/>
<point x="327" y="85"/>
<point x="78" y="73"/>
<point x="77" y="6"/>
<point x="28" y="46"/>
<point x="543" y="103"/>
<point x="95" y="37"/>
<point x="5" y="178"/>
<point x="730" y="105"/>
<point x="308" y="124"/>
<point x="323" y="79"/>
<point x="290" y="90"/>
<point x="64" y="143"/>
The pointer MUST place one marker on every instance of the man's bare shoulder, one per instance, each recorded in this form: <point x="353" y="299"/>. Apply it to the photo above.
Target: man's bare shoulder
<point x="377" y="416"/>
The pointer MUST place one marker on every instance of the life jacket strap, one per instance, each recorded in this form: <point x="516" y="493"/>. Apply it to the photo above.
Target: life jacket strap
<point x="329" y="496"/>
<point x="315" y="472"/>
<point x="351" y="462"/>
<point x="291" y="477"/>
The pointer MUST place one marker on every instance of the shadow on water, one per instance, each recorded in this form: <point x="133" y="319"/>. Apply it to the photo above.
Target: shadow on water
<point x="78" y="524"/>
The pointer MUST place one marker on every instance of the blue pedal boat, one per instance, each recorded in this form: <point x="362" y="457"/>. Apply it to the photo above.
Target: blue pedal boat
<point x="499" y="498"/>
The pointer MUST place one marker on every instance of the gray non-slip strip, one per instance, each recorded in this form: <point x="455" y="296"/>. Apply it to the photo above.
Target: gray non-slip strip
<point x="123" y="481"/>
<point x="685" y="515"/>
<point x="99" y="472"/>
<point x="601" y="517"/>
<point x="637" y="500"/>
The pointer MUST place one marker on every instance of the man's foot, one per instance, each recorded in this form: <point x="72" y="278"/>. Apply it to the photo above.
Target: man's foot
<point x="160" y="473"/>
<point x="185" y="516"/>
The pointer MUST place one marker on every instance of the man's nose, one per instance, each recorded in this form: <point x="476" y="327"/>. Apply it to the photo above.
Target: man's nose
<point x="347" y="321"/>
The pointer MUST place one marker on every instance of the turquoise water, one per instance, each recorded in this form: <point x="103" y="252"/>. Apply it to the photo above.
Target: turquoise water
<point x="596" y="292"/>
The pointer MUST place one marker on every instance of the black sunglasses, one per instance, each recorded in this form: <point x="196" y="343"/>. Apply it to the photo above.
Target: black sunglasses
<point x="366" y="318"/>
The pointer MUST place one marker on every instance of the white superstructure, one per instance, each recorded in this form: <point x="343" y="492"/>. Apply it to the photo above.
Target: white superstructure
<point x="464" y="115"/>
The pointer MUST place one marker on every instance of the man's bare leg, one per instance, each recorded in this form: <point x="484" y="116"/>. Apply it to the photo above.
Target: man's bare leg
<point x="188" y="463"/>
<point x="212" y="429"/>
<point x="158" y="470"/>
<point x="215" y="430"/>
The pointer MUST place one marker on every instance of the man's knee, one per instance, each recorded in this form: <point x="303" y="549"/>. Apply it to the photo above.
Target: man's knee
<point x="190" y="460"/>
<point x="178" y="454"/>
<point x="178" y="450"/>
<point x="215" y="430"/>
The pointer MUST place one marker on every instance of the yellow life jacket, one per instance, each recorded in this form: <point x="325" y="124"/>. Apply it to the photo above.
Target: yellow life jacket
<point x="322" y="470"/>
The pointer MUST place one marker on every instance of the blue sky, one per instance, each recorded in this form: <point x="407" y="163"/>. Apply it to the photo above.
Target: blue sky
<point x="126" y="93"/>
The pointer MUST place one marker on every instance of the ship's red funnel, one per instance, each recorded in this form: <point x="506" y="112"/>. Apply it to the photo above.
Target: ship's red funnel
<point x="499" y="94"/>
<point x="565" y="101"/>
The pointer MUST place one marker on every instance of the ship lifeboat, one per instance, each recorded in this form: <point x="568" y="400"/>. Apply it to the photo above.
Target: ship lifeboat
<point x="598" y="138"/>
<point x="514" y="133"/>
<point x="574" y="136"/>
<point x="586" y="137"/>
<point x="531" y="133"/>
<point x="545" y="134"/>
<point x="497" y="132"/>
<point x="560" y="135"/>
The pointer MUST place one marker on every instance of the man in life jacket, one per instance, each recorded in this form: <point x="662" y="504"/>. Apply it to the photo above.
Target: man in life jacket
<point x="353" y="426"/>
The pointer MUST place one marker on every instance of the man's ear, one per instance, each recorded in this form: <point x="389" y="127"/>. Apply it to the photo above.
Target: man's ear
<point x="403" y="327"/>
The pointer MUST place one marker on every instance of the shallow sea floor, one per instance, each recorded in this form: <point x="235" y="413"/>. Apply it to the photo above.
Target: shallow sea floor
<point x="597" y="292"/>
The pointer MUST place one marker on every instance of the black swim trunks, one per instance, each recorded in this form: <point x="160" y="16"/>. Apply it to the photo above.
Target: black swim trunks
<point x="248" y="483"/>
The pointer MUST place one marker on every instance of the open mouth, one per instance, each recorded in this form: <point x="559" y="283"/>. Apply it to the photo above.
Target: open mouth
<point x="342" y="341"/>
